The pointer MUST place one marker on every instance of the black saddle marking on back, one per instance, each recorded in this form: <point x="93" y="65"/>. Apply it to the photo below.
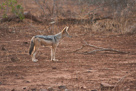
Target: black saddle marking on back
<point x="43" y="37"/>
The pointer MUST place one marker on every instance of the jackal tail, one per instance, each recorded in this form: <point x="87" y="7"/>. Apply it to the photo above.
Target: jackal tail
<point x="31" y="46"/>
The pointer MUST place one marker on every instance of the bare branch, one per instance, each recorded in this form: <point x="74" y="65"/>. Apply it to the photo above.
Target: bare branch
<point x="92" y="45"/>
<point x="98" y="49"/>
<point x="106" y="49"/>
<point x="79" y="48"/>
<point x="120" y="80"/>
<point x="40" y="5"/>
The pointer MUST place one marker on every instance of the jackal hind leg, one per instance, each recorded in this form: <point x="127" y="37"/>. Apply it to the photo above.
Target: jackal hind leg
<point x="33" y="57"/>
<point x="36" y="47"/>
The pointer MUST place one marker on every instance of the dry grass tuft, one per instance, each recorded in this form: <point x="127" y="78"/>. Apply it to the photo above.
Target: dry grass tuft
<point x="119" y="25"/>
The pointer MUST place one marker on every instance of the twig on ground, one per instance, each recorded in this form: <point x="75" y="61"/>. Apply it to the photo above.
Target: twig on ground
<point x="121" y="80"/>
<point x="106" y="49"/>
<point x="98" y="49"/>
<point x="79" y="48"/>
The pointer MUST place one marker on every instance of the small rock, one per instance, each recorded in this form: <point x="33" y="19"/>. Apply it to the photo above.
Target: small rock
<point x="27" y="81"/>
<point x="83" y="87"/>
<point x="25" y="42"/>
<point x="14" y="59"/>
<point x="94" y="90"/>
<point x="88" y="71"/>
<point x="43" y="90"/>
<point x="0" y="83"/>
<point x="10" y="31"/>
<point x="62" y="87"/>
<point x="13" y="90"/>
<point x="106" y="87"/>
<point x="24" y="87"/>
<point x="50" y="89"/>
<point x="67" y="90"/>
<point x="3" y="48"/>
<point x="54" y="68"/>
<point x="34" y="89"/>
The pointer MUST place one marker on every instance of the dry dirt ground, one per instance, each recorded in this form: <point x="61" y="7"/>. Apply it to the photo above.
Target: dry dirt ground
<point x="76" y="72"/>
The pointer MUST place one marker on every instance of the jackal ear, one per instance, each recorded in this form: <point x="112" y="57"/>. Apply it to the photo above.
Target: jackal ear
<point x="65" y="29"/>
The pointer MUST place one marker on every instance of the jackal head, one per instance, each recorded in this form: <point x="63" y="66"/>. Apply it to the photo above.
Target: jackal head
<point x="65" y="32"/>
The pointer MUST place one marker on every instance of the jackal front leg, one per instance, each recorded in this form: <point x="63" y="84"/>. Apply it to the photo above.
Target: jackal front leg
<point x="53" y="51"/>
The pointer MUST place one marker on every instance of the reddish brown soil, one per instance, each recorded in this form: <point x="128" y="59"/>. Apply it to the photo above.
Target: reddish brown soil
<point x="77" y="72"/>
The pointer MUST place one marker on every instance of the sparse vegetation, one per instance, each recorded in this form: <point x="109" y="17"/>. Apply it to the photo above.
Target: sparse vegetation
<point x="13" y="7"/>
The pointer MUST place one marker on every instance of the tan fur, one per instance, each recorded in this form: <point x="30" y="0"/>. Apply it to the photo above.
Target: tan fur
<point x="52" y="43"/>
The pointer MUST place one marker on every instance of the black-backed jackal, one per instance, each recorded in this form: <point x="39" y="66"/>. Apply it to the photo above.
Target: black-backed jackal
<point x="51" y="40"/>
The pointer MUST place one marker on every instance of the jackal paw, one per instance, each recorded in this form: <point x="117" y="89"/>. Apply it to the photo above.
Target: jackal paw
<point x="55" y="60"/>
<point x="35" y="60"/>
